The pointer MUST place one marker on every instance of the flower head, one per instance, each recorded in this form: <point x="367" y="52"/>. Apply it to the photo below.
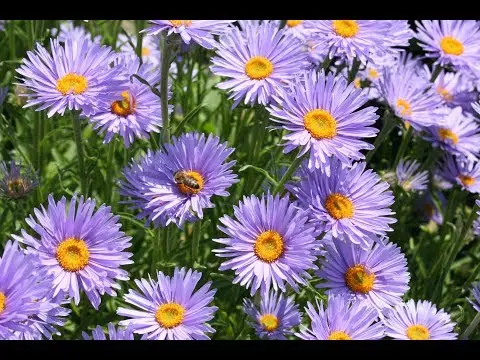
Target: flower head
<point x="276" y="317"/>
<point x="150" y="51"/>
<point x="429" y="209"/>
<point x="170" y="308"/>
<point x="113" y="333"/>
<point x="463" y="172"/>
<point x="270" y="243"/>
<point x="408" y="176"/>
<point x="81" y="247"/>
<point x="69" y="31"/>
<point x="16" y="181"/>
<point x="418" y="321"/>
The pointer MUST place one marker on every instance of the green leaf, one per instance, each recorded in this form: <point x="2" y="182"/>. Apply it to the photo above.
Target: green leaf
<point x="262" y="171"/>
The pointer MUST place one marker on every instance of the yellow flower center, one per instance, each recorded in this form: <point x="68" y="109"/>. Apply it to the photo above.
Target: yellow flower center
<point x="445" y="94"/>
<point x="339" y="335"/>
<point x="339" y="206"/>
<point x="467" y="180"/>
<point x="451" y="46"/>
<point x="124" y="107"/>
<point x="359" y="279"/>
<point x="320" y="124"/>
<point x="258" y="68"/>
<point x="178" y="23"/>
<point x="269" y="322"/>
<point x="170" y="315"/>
<point x="345" y="28"/>
<point x="72" y="254"/>
<point x="17" y="187"/>
<point x="293" y="23"/>
<point x="3" y="302"/>
<point x="357" y="83"/>
<point x="448" y="134"/>
<point x="404" y="107"/>
<point x="191" y="182"/>
<point x="71" y="82"/>
<point x="372" y="74"/>
<point x="418" y="332"/>
<point x="146" y="51"/>
<point x="268" y="246"/>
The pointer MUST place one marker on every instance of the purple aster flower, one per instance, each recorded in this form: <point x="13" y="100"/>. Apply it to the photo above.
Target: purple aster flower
<point x="418" y="321"/>
<point x="3" y="94"/>
<point x="69" y="31"/>
<point x="113" y="333"/>
<point x="27" y="309"/>
<point x="276" y="317"/>
<point x="181" y="180"/>
<point x="342" y="320"/>
<point x="297" y="28"/>
<point x="76" y="75"/>
<point x="257" y="61"/>
<point x="170" y="308"/>
<point x="270" y="243"/>
<point x="463" y="172"/>
<point x="138" y="113"/>
<point x="323" y="115"/>
<point x="81" y="247"/>
<point x="476" y="223"/>
<point x="455" y="42"/>
<point x="476" y="293"/>
<point x="16" y="181"/>
<point x="457" y="134"/>
<point x="408" y="176"/>
<point x="150" y="48"/>
<point x="410" y="96"/>
<point x="353" y="201"/>
<point x="429" y="210"/>
<point x="197" y="31"/>
<point x="377" y="275"/>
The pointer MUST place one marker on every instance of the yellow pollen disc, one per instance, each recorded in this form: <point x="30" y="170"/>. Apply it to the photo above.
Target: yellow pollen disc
<point x="418" y="332"/>
<point x="320" y="124"/>
<point x="72" y="254"/>
<point x="146" y="51"/>
<point x="258" y="68"/>
<point x="339" y="206"/>
<point x="372" y="74"/>
<point x="467" y="180"/>
<point x="293" y="23"/>
<point x="359" y="279"/>
<point x="124" y="107"/>
<point x="268" y="246"/>
<point x="178" y="23"/>
<point x="445" y="94"/>
<point x="269" y="322"/>
<point x="404" y="107"/>
<point x="357" y="83"/>
<point x="170" y="315"/>
<point x="339" y="335"/>
<point x="3" y="302"/>
<point x="448" y="134"/>
<point x="71" y="82"/>
<point x="16" y="186"/>
<point x="185" y="189"/>
<point x="345" y="28"/>
<point x="451" y="46"/>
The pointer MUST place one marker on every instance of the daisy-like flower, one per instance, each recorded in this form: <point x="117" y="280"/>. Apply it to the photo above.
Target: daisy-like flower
<point x="457" y="134"/>
<point x="27" y="310"/>
<point x="138" y="113"/>
<point x="75" y="75"/>
<point x="3" y="94"/>
<point x="418" y="321"/>
<point x="170" y="308"/>
<point x="270" y="242"/>
<point x="150" y="51"/>
<point x="463" y="172"/>
<point x="353" y="201"/>
<point x="323" y="115"/>
<point x="297" y="28"/>
<point x="16" y="181"/>
<point x="69" y="31"/>
<point x="429" y="210"/>
<point x="81" y="247"/>
<point x="377" y="275"/>
<point x="257" y="61"/>
<point x="113" y="333"/>
<point x="197" y="31"/>
<point x="410" y="96"/>
<point x="408" y="176"/>
<point x="455" y="42"/>
<point x="276" y="317"/>
<point x="182" y="180"/>
<point x="476" y="223"/>
<point x="342" y="320"/>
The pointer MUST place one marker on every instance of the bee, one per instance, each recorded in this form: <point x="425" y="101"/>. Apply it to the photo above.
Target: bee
<point x="181" y="177"/>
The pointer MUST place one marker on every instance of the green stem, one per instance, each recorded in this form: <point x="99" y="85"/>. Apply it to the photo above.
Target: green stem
<point x="291" y="169"/>
<point x="473" y="325"/>
<point x="196" y="233"/>
<point x="139" y="25"/>
<point x="11" y="38"/>
<point x="388" y="126"/>
<point x="108" y="183"/>
<point x="156" y="249"/>
<point x="353" y="72"/>
<point x="164" y="90"/>
<point x="116" y="29"/>
<point x="77" y="132"/>
<point x="403" y="146"/>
